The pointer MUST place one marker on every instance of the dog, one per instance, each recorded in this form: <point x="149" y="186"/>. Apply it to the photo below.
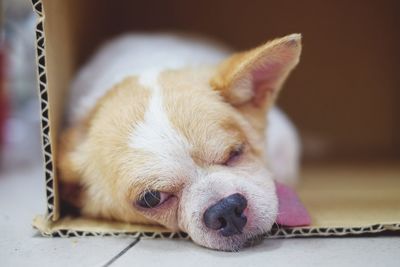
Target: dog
<point x="177" y="131"/>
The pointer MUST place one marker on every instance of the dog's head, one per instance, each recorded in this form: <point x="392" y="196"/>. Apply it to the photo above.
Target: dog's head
<point x="184" y="149"/>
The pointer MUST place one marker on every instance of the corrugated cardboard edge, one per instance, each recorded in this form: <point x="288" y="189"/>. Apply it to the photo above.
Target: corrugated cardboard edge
<point x="44" y="109"/>
<point x="72" y="228"/>
<point x="67" y="228"/>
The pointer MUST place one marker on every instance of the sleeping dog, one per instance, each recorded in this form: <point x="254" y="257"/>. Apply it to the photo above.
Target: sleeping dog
<point x="177" y="131"/>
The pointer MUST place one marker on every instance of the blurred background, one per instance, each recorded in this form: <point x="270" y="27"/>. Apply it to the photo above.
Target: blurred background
<point x="19" y="109"/>
<point x="344" y="95"/>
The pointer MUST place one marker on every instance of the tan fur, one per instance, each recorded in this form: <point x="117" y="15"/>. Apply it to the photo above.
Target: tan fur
<point x="211" y="119"/>
<point x="93" y="150"/>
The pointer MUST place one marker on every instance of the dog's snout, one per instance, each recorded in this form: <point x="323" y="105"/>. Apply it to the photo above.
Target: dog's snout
<point x="227" y="215"/>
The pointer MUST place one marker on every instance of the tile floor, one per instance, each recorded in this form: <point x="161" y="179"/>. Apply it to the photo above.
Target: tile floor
<point x="22" y="196"/>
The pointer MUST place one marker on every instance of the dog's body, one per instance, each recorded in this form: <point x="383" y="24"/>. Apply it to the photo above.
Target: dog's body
<point x="170" y="116"/>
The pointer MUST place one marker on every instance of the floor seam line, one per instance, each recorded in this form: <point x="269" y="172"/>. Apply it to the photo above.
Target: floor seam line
<point x="122" y="252"/>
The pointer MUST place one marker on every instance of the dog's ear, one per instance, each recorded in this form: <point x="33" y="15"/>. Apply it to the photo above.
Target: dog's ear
<point x="256" y="76"/>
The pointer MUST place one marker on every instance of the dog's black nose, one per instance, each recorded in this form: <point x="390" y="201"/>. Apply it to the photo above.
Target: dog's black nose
<point x="227" y="215"/>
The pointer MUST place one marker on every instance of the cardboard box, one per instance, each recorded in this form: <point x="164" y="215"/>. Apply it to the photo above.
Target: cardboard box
<point x="347" y="200"/>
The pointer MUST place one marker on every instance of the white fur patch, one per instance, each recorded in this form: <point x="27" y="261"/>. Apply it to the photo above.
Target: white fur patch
<point x="156" y="135"/>
<point x="282" y="147"/>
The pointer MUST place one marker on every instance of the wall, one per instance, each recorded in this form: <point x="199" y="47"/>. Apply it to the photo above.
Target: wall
<point x="343" y="96"/>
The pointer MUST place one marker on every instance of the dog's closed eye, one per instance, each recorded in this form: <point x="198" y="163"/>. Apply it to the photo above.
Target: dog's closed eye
<point x="152" y="199"/>
<point x="234" y="155"/>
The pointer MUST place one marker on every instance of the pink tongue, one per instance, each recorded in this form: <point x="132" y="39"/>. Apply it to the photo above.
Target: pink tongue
<point x="291" y="211"/>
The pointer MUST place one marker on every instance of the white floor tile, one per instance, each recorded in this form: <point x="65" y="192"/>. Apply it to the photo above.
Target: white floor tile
<point x="22" y="197"/>
<point x="382" y="251"/>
